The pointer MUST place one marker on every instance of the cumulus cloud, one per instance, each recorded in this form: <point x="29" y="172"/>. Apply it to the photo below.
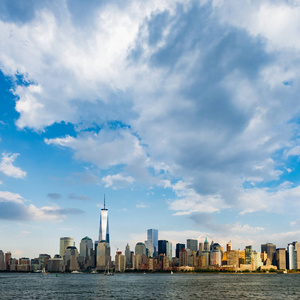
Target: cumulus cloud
<point x="208" y="91"/>
<point x="13" y="207"/>
<point x="117" y="181"/>
<point x="190" y="201"/>
<point x="7" y="167"/>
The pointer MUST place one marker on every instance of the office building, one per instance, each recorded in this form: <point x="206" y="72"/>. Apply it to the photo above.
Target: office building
<point x="183" y="257"/>
<point x="140" y="249"/>
<point x="201" y="249"/>
<point x="65" y="242"/>
<point x="86" y="253"/>
<point x="56" y="264"/>
<point x="229" y="246"/>
<point x="2" y="262"/>
<point x="104" y="228"/>
<point x="270" y="249"/>
<point x="120" y="262"/>
<point x="128" y="257"/>
<point x="178" y="248"/>
<point x="6" y="260"/>
<point x="169" y="250"/>
<point x="103" y="256"/>
<point x="291" y="256"/>
<point x="152" y="235"/>
<point x="248" y="255"/>
<point x="162" y="247"/>
<point x="192" y="244"/>
<point x="215" y="255"/>
<point x="233" y="258"/>
<point x="149" y="248"/>
<point x="297" y="255"/>
<point x="206" y="245"/>
<point x="71" y="262"/>
<point x="281" y="258"/>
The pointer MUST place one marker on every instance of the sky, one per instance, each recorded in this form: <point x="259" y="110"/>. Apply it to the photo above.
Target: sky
<point x="184" y="113"/>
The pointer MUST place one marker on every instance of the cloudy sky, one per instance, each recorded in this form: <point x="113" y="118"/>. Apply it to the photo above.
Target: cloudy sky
<point x="186" y="114"/>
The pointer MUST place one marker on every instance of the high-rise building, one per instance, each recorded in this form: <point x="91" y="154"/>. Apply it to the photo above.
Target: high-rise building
<point x="178" y="248"/>
<point x="183" y="257"/>
<point x="201" y="249"/>
<point x="152" y="235"/>
<point x="248" y="255"/>
<point x="270" y="249"/>
<point x="192" y="244"/>
<point x="206" y="245"/>
<point x="140" y="249"/>
<point x="128" y="257"/>
<point x="291" y="256"/>
<point x="104" y="229"/>
<point x="281" y="258"/>
<point x="233" y="258"/>
<point x="120" y="262"/>
<point x="215" y="255"/>
<point x="56" y="264"/>
<point x="2" y="263"/>
<point x="103" y="256"/>
<point x="162" y="247"/>
<point x="6" y="260"/>
<point x="71" y="259"/>
<point x="65" y="242"/>
<point x="86" y="247"/>
<point x="86" y="258"/>
<point x="169" y="250"/>
<point x="229" y="246"/>
<point x="149" y="248"/>
<point x="297" y="255"/>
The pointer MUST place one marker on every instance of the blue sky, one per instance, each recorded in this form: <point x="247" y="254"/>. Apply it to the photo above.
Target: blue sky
<point x="184" y="113"/>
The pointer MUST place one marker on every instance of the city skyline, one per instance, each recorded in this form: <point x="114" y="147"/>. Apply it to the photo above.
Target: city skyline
<point x="185" y="114"/>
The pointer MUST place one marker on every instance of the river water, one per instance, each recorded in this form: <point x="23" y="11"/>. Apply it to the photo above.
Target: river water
<point x="149" y="286"/>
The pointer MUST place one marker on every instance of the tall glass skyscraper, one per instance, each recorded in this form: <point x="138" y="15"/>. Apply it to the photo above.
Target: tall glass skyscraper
<point x="152" y="235"/>
<point x="104" y="229"/>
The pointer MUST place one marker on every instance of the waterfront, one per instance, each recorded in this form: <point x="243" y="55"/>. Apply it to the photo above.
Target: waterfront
<point x="149" y="286"/>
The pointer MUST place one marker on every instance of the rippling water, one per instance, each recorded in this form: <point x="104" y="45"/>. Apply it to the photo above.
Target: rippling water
<point x="149" y="286"/>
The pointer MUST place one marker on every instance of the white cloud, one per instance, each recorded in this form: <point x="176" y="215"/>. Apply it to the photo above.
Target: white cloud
<point x="190" y="201"/>
<point x="206" y="98"/>
<point x="10" y="197"/>
<point x="13" y="206"/>
<point x="117" y="181"/>
<point x="141" y="205"/>
<point x="7" y="167"/>
<point x="281" y="201"/>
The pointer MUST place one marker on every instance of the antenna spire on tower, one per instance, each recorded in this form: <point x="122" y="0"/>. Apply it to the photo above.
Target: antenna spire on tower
<point x="104" y="201"/>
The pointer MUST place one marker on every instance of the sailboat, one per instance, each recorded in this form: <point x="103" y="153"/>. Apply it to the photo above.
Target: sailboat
<point x="107" y="271"/>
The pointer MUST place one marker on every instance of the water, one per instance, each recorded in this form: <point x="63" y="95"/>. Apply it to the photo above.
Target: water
<point x="149" y="286"/>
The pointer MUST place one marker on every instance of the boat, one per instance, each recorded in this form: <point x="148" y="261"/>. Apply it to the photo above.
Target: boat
<point x="172" y="272"/>
<point x="107" y="271"/>
<point x="44" y="271"/>
<point x="75" y="272"/>
<point x="94" y="272"/>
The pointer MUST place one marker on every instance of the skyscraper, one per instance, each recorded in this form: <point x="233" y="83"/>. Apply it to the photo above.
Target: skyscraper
<point x="270" y="249"/>
<point x="169" y="250"/>
<point x="65" y="242"/>
<point x="178" y="248"/>
<point x="152" y="235"/>
<point x="104" y="230"/>
<point x="162" y="247"/>
<point x="206" y="245"/>
<point x="2" y="264"/>
<point x="192" y="244"/>
<point x="248" y="255"/>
